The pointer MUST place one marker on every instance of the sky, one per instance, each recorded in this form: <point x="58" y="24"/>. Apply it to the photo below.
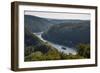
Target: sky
<point x="59" y="15"/>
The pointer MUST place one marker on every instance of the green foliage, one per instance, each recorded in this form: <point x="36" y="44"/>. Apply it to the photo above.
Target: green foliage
<point x="70" y="56"/>
<point x="52" y="54"/>
<point x="84" y="50"/>
<point x="38" y="50"/>
<point x="38" y="55"/>
<point x="33" y="53"/>
<point x="28" y="50"/>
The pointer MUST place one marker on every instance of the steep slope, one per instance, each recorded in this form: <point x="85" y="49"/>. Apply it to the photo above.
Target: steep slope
<point x="69" y="34"/>
<point x="37" y="50"/>
<point x="36" y="24"/>
<point x="33" y="45"/>
<point x="30" y="38"/>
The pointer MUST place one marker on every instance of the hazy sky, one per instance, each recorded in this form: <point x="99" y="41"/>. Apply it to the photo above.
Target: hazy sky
<point x="59" y="15"/>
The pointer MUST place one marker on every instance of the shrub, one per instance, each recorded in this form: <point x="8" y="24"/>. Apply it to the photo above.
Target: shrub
<point x="84" y="50"/>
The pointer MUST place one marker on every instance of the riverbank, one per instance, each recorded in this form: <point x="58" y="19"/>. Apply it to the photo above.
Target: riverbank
<point x="60" y="48"/>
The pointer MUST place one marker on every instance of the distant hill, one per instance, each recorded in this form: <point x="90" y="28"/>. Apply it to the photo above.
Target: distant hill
<point x="60" y="31"/>
<point x="39" y="24"/>
<point x="36" y="24"/>
<point x="69" y="34"/>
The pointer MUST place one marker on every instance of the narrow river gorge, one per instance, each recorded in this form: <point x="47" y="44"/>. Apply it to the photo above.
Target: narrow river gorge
<point x="60" y="48"/>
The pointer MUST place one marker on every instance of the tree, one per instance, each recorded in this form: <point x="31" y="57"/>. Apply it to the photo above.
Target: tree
<point x="84" y="50"/>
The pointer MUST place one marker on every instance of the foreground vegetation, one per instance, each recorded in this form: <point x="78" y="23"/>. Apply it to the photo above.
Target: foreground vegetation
<point x="84" y="50"/>
<point x="47" y="52"/>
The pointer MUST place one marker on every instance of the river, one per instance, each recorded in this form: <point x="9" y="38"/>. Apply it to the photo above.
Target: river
<point x="60" y="48"/>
